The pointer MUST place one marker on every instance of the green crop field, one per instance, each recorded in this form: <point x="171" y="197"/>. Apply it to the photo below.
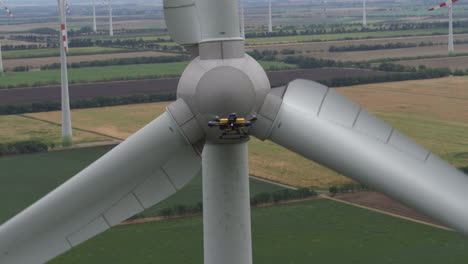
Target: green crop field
<point x="36" y="53"/>
<point x="109" y="73"/>
<point x="316" y="231"/>
<point x="26" y="178"/>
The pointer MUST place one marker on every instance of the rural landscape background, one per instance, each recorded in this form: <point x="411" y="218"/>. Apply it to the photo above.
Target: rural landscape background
<point x="397" y="67"/>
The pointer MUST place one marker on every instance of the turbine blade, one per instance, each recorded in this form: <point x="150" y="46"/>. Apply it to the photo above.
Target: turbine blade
<point x="148" y="167"/>
<point x="322" y="125"/>
<point x="442" y="5"/>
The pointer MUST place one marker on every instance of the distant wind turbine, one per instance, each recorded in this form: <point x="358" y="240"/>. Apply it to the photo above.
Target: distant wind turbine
<point x="449" y="3"/>
<point x="364" y="13"/>
<point x="1" y="60"/>
<point x="10" y="14"/>
<point x="242" y="21"/>
<point x="94" y="17"/>
<point x="111" y="26"/>
<point x="270" y="22"/>
<point x="66" y="118"/>
<point x="67" y="8"/>
<point x="324" y="7"/>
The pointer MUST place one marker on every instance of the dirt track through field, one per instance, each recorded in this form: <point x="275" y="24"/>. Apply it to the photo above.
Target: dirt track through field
<point x="156" y="86"/>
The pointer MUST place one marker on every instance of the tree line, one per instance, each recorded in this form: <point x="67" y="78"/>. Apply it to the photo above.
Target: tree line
<point x="360" y="47"/>
<point x="101" y="101"/>
<point x="120" y="61"/>
<point x="22" y="147"/>
<point x="348" y="187"/>
<point x="258" y="199"/>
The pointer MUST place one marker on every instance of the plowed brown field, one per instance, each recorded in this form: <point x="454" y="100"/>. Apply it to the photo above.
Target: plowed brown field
<point x="123" y="88"/>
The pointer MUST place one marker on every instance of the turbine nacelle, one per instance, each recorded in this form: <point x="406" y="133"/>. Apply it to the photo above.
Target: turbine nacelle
<point x="190" y="22"/>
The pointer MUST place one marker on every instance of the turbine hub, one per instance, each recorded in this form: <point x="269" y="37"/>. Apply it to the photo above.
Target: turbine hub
<point x="216" y="88"/>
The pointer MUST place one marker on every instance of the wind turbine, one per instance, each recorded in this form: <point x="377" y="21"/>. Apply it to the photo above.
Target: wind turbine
<point x="200" y="129"/>
<point x="111" y="25"/>
<point x="324" y="8"/>
<point x="450" y="11"/>
<point x="67" y="134"/>
<point x="364" y="13"/>
<point x="5" y="7"/>
<point x="67" y="8"/>
<point x="1" y="60"/>
<point x="270" y="22"/>
<point x="94" y="17"/>
<point x="10" y="14"/>
<point x="242" y="18"/>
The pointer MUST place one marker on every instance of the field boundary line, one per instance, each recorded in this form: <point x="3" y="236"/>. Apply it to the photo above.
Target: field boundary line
<point x="272" y="182"/>
<point x="169" y="217"/>
<point x="76" y="128"/>
<point x="386" y="213"/>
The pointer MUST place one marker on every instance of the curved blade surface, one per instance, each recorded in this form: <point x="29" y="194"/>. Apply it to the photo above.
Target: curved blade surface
<point x="146" y="168"/>
<point x="322" y="125"/>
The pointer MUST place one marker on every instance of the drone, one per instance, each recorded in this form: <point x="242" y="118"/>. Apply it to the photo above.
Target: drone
<point x="233" y="127"/>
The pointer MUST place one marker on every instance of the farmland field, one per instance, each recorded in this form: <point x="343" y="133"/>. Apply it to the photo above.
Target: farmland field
<point x="324" y="45"/>
<point x="433" y="112"/>
<point x="34" y="53"/>
<point x="317" y="230"/>
<point x="453" y="63"/>
<point x="18" y="128"/>
<point x="26" y="178"/>
<point x="37" y="62"/>
<point x="157" y="86"/>
<point x="356" y="35"/>
<point x="108" y="73"/>
<point x="386" y="53"/>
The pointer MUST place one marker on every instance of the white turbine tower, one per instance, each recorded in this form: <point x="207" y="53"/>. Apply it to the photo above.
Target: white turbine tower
<point x="364" y="13"/>
<point x="270" y="20"/>
<point x="94" y="17"/>
<point x="200" y="130"/>
<point x="242" y="18"/>
<point x="324" y="7"/>
<point x="66" y="116"/>
<point x="1" y="60"/>
<point x="449" y="5"/>
<point x="111" y="25"/>
<point x="11" y="16"/>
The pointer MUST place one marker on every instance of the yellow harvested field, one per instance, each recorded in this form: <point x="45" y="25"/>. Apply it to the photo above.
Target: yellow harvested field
<point x="440" y="99"/>
<point x="17" y="128"/>
<point x="119" y="121"/>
